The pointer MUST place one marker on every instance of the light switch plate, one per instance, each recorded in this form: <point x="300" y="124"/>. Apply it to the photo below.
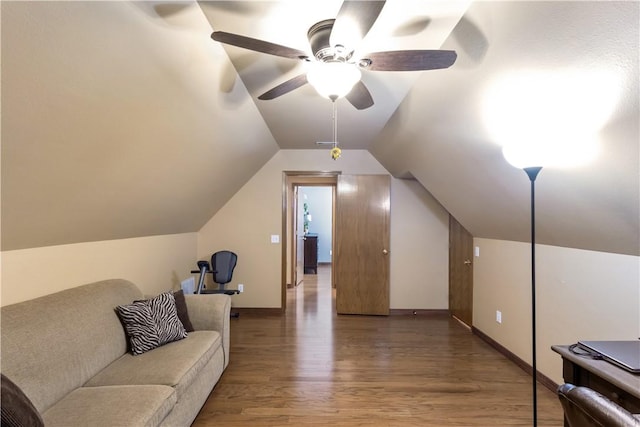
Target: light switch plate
<point x="275" y="238"/>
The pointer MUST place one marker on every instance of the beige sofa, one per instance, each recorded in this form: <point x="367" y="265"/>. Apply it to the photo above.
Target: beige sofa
<point x="68" y="353"/>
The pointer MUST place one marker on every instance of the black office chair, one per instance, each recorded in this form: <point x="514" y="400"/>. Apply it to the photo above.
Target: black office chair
<point x="584" y="407"/>
<point x="222" y="265"/>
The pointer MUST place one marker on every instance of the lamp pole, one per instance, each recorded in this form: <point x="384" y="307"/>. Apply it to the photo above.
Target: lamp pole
<point x="532" y="173"/>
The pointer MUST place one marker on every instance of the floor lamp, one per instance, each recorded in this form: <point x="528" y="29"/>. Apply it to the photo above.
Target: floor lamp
<point x="532" y="173"/>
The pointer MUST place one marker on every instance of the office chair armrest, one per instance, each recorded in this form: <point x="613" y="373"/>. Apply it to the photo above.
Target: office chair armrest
<point x="211" y="312"/>
<point x="585" y="407"/>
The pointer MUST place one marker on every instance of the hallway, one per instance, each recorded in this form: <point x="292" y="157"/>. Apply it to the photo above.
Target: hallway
<point x="314" y="295"/>
<point x="312" y="367"/>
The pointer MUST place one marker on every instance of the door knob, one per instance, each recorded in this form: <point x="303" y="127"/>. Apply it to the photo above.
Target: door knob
<point x="467" y="262"/>
<point x="384" y="251"/>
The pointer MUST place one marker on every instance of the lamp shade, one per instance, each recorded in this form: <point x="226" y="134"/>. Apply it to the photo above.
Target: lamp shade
<point x="553" y="151"/>
<point x="333" y="79"/>
<point x="524" y="156"/>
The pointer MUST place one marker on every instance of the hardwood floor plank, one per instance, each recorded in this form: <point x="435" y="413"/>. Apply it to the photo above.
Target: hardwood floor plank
<point x="311" y="367"/>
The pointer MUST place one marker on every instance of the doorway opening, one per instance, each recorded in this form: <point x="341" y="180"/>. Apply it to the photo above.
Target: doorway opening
<point x="314" y="229"/>
<point x="308" y="222"/>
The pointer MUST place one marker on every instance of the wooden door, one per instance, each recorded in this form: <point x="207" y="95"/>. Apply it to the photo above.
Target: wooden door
<point x="460" y="272"/>
<point x="362" y="244"/>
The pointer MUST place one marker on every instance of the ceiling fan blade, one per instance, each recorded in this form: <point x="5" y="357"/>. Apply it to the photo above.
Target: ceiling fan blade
<point x="354" y="21"/>
<point x="258" y="45"/>
<point x="411" y="60"/>
<point x="360" y="97"/>
<point x="284" y="87"/>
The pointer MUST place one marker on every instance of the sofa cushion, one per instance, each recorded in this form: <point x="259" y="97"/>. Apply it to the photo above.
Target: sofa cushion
<point x="151" y="323"/>
<point x="54" y="344"/>
<point x="122" y="406"/>
<point x="16" y="410"/>
<point x="175" y="364"/>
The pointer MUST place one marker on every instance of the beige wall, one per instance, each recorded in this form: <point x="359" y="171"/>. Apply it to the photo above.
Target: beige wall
<point x="245" y="224"/>
<point x="579" y="295"/>
<point x="155" y="264"/>
<point x="419" y="248"/>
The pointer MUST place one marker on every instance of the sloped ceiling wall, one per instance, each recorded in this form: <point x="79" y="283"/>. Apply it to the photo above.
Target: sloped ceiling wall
<point x="119" y="120"/>
<point x="440" y="135"/>
<point x="124" y="119"/>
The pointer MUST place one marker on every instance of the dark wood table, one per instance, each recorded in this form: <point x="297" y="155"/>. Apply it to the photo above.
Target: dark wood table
<point x="615" y="383"/>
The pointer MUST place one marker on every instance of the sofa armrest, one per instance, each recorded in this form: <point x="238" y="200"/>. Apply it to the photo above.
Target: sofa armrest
<point x="211" y="312"/>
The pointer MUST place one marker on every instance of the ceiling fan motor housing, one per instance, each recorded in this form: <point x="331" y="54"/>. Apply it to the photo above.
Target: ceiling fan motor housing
<point x="319" y="35"/>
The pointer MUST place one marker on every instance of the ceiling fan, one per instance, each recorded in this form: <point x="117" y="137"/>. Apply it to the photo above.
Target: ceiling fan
<point x="333" y="43"/>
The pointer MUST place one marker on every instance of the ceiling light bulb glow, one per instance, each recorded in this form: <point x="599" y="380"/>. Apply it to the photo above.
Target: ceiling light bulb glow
<point x="333" y="79"/>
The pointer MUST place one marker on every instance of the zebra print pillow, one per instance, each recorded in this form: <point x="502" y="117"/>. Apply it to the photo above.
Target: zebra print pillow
<point x="151" y="323"/>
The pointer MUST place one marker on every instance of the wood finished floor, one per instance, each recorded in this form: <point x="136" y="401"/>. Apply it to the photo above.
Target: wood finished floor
<point x="312" y="367"/>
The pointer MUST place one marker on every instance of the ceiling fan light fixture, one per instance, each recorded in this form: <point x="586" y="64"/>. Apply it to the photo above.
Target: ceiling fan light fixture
<point x="333" y="79"/>
<point x="333" y="43"/>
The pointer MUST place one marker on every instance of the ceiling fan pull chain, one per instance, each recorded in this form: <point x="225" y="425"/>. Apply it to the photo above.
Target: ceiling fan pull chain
<point x="335" y="124"/>
<point x="335" y="151"/>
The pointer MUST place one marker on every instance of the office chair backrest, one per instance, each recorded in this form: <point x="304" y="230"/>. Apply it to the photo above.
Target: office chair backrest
<point x="584" y="407"/>
<point x="222" y="265"/>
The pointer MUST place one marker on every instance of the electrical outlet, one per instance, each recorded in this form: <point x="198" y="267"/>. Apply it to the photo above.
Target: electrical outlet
<point x="241" y="288"/>
<point x="498" y="316"/>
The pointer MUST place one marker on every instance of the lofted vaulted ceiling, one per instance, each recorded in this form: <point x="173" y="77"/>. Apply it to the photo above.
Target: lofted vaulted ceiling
<point x="300" y="118"/>
<point x="125" y="119"/>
